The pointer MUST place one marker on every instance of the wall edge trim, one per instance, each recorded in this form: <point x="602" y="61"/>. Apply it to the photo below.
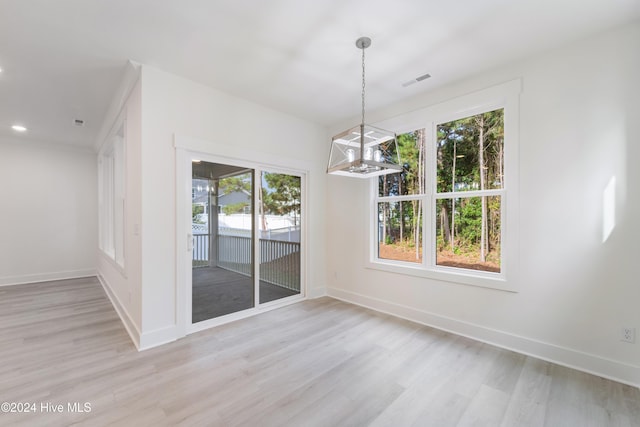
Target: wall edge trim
<point x="122" y="312"/>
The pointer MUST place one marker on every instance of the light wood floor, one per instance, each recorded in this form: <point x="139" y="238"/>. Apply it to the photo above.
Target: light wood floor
<point x="317" y="363"/>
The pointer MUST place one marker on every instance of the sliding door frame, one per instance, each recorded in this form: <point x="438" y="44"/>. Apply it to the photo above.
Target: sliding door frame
<point x="188" y="150"/>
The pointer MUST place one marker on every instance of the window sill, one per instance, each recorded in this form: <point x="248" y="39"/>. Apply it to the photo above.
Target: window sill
<point x="445" y="274"/>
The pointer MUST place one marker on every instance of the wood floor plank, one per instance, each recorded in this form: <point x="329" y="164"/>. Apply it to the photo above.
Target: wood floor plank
<point x="485" y="409"/>
<point x="530" y="396"/>
<point x="320" y="362"/>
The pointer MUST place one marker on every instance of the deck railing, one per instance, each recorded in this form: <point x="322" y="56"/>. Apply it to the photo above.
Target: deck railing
<point x="279" y="260"/>
<point x="234" y="253"/>
<point x="280" y="263"/>
<point x="200" y="255"/>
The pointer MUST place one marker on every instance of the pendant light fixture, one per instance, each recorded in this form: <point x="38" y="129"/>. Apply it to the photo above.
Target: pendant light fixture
<point x="364" y="151"/>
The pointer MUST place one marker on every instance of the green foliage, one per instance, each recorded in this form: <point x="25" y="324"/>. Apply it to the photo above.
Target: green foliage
<point x="411" y="179"/>
<point x="469" y="156"/>
<point x="469" y="221"/>
<point x="402" y="219"/>
<point x="196" y="210"/>
<point x="283" y="195"/>
<point x="234" y="208"/>
<point x="458" y="154"/>
<point x="232" y="184"/>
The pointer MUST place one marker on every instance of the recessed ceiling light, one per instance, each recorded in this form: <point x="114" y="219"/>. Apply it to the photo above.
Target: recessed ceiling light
<point x="18" y="128"/>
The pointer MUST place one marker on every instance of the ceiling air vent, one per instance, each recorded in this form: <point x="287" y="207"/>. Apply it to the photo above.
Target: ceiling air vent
<point x="417" y="79"/>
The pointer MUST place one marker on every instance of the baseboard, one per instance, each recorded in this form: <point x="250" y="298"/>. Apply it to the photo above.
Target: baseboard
<point x="157" y="337"/>
<point x="586" y="362"/>
<point x="142" y="341"/>
<point x="126" y="319"/>
<point x="46" y="277"/>
<point x="316" y="293"/>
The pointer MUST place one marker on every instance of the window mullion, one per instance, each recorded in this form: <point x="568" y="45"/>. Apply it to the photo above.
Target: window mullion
<point x="475" y="193"/>
<point x="405" y="198"/>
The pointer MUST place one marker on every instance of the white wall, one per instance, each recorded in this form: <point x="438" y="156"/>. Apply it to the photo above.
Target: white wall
<point x="579" y="126"/>
<point x="175" y="106"/>
<point x="48" y="214"/>
<point x="124" y="286"/>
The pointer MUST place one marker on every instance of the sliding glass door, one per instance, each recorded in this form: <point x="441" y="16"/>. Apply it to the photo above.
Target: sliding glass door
<point x="246" y="227"/>
<point x="222" y="226"/>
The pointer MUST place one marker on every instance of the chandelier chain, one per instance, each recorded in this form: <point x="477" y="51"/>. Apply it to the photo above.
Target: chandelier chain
<point x="363" y="85"/>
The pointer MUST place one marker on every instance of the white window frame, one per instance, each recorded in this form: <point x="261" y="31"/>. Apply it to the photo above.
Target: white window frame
<point x="111" y="196"/>
<point x="504" y="96"/>
<point x="105" y="201"/>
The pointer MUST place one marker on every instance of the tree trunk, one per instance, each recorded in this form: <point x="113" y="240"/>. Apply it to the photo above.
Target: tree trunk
<point x="453" y="201"/>
<point x="416" y="221"/>
<point x="418" y="216"/>
<point x="483" y="222"/>
<point x="400" y="212"/>
<point x="444" y="225"/>
<point x="261" y="211"/>
<point x="383" y="238"/>
<point x="501" y="164"/>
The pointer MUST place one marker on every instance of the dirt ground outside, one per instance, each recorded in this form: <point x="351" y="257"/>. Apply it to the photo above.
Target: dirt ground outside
<point x="444" y="258"/>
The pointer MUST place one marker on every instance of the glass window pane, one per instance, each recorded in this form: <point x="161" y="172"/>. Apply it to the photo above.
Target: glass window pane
<point x="467" y="147"/>
<point x="200" y="191"/>
<point x="411" y="180"/>
<point x="280" y="201"/>
<point x="468" y="233"/>
<point x="400" y="231"/>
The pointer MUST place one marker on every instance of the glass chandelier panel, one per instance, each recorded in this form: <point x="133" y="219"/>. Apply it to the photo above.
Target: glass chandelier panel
<point x="364" y="151"/>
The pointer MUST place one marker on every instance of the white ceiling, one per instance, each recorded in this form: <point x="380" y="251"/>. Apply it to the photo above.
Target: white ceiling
<point x="63" y="59"/>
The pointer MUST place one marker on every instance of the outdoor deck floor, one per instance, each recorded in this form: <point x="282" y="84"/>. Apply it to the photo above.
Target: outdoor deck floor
<point x="217" y="292"/>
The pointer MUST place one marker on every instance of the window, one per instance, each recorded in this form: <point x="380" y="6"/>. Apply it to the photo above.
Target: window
<point x="445" y="216"/>
<point x="111" y="185"/>
<point x="469" y="176"/>
<point x="401" y="203"/>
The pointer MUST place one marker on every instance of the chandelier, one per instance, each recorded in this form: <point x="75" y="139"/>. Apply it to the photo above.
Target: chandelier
<point x="364" y="151"/>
